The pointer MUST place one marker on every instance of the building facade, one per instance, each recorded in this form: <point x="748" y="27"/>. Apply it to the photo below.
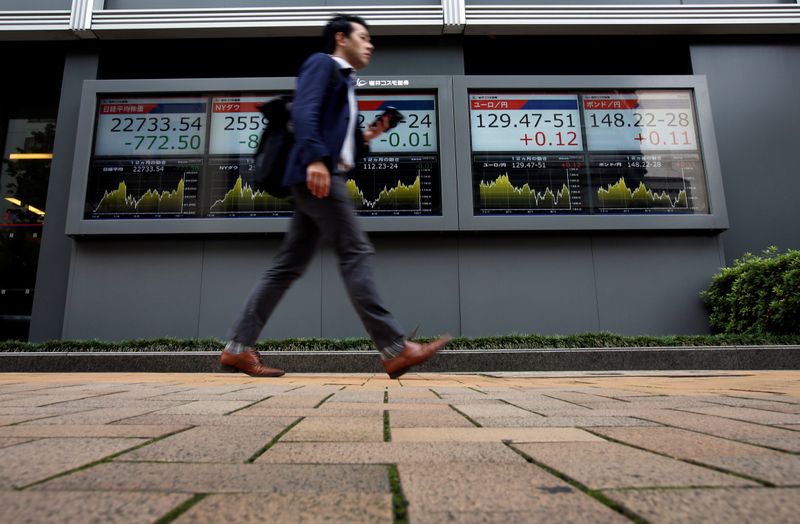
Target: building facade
<point x="464" y="264"/>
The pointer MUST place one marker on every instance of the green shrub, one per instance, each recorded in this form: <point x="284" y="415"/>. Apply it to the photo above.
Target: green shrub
<point x="760" y="294"/>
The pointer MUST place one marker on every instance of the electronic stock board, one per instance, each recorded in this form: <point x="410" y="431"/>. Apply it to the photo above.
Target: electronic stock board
<point x="472" y="153"/>
<point x="177" y="156"/>
<point x="587" y="153"/>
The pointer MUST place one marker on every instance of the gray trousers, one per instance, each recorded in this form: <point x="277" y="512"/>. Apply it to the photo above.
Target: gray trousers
<point x="331" y="219"/>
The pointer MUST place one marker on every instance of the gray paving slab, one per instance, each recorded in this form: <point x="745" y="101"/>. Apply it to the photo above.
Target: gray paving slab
<point x="457" y="392"/>
<point x="380" y="406"/>
<point x="34" y="401"/>
<point x="205" y="420"/>
<point x="373" y="396"/>
<point x="6" y="420"/>
<point x="475" y="434"/>
<point x="546" y="514"/>
<point x="586" y="400"/>
<point x="778" y="470"/>
<point x="24" y="387"/>
<point x="286" y="401"/>
<point x="208" y="444"/>
<point x="671" y="402"/>
<point x="40" y="412"/>
<point x="756" y="395"/>
<point x="482" y="400"/>
<point x="149" y="392"/>
<point x="84" y="507"/>
<point x="684" y="444"/>
<point x="33" y="461"/>
<point x="495" y="493"/>
<point x="12" y="441"/>
<point x="409" y="394"/>
<point x="605" y="465"/>
<point x="427" y="419"/>
<point x="758" y="416"/>
<point x="493" y="411"/>
<point x="336" y="429"/>
<point x="387" y="453"/>
<point x="723" y="506"/>
<point x="206" y="407"/>
<point x="782" y="439"/>
<point x="225" y="478"/>
<point x="112" y="401"/>
<point x="306" y="412"/>
<point x="768" y="405"/>
<point x="356" y="508"/>
<point x="753" y="461"/>
<point x="93" y="416"/>
<point x="209" y="392"/>
<point x="421" y="400"/>
<point x="543" y="404"/>
<point x="560" y="422"/>
<point x="105" y="430"/>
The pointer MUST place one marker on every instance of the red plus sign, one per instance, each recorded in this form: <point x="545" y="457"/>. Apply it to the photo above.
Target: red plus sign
<point x="526" y="139"/>
<point x="640" y="138"/>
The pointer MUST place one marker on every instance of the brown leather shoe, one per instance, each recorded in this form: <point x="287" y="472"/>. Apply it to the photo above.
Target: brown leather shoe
<point x="412" y="355"/>
<point x="249" y="362"/>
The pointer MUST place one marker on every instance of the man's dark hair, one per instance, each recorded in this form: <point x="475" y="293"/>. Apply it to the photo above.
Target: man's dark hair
<point x="339" y="24"/>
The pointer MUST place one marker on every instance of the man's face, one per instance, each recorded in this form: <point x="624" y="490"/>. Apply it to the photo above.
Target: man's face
<point x="357" y="48"/>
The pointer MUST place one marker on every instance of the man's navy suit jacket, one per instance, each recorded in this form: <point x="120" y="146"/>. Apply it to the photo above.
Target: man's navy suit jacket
<point x="321" y="114"/>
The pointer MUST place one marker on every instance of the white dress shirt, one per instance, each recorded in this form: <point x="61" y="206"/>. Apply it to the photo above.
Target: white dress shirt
<point x="347" y="156"/>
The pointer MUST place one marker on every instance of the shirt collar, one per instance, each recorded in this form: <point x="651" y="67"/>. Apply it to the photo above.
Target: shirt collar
<point x="343" y="64"/>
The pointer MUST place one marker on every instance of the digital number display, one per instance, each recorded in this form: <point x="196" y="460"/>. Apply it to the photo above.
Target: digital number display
<point x="236" y="125"/>
<point x="416" y="133"/>
<point x="525" y="123"/>
<point x="402" y="174"/>
<point x="151" y="127"/>
<point x="640" y="121"/>
<point x="586" y="153"/>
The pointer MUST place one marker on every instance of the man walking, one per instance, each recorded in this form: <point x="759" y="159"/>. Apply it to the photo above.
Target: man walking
<point x="327" y="145"/>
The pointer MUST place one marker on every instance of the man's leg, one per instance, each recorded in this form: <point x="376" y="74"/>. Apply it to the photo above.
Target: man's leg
<point x="337" y="223"/>
<point x="289" y="264"/>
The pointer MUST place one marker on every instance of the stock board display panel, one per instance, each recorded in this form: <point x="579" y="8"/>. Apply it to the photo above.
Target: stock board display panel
<point x="401" y="176"/>
<point x="193" y="157"/>
<point x="586" y="152"/>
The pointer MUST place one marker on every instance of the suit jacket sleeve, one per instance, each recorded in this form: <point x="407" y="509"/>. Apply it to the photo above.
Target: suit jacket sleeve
<point x="362" y="148"/>
<point x="312" y="84"/>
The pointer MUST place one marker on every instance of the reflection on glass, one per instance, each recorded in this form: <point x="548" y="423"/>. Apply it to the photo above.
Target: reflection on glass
<point x="26" y="163"/>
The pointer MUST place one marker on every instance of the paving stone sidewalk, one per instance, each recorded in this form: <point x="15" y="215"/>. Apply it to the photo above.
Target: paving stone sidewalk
<point x="687" y="446"/>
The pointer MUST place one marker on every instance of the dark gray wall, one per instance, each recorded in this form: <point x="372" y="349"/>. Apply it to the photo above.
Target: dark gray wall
<point x="470" y="285"/>
<point x="754" y="98"/>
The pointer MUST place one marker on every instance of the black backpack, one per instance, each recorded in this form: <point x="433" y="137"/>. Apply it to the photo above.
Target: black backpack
<point x="276" y="142"/>
<point x="273" y="148"/>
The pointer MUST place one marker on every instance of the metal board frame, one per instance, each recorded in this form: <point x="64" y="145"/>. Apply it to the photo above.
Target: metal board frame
<point x="77" y="225"/>
<point x="715" y="220"/>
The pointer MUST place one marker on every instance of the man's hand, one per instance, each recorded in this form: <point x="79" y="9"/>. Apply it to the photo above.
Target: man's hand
<point x="318" y="179"/>
<point x="376" y="129"/>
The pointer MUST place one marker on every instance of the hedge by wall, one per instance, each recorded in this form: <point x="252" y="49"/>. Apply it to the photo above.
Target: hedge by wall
<point x="759" y="295"/>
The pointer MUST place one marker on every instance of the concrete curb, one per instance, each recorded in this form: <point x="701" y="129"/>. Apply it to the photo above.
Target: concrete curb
<point x="469" y="361"/>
